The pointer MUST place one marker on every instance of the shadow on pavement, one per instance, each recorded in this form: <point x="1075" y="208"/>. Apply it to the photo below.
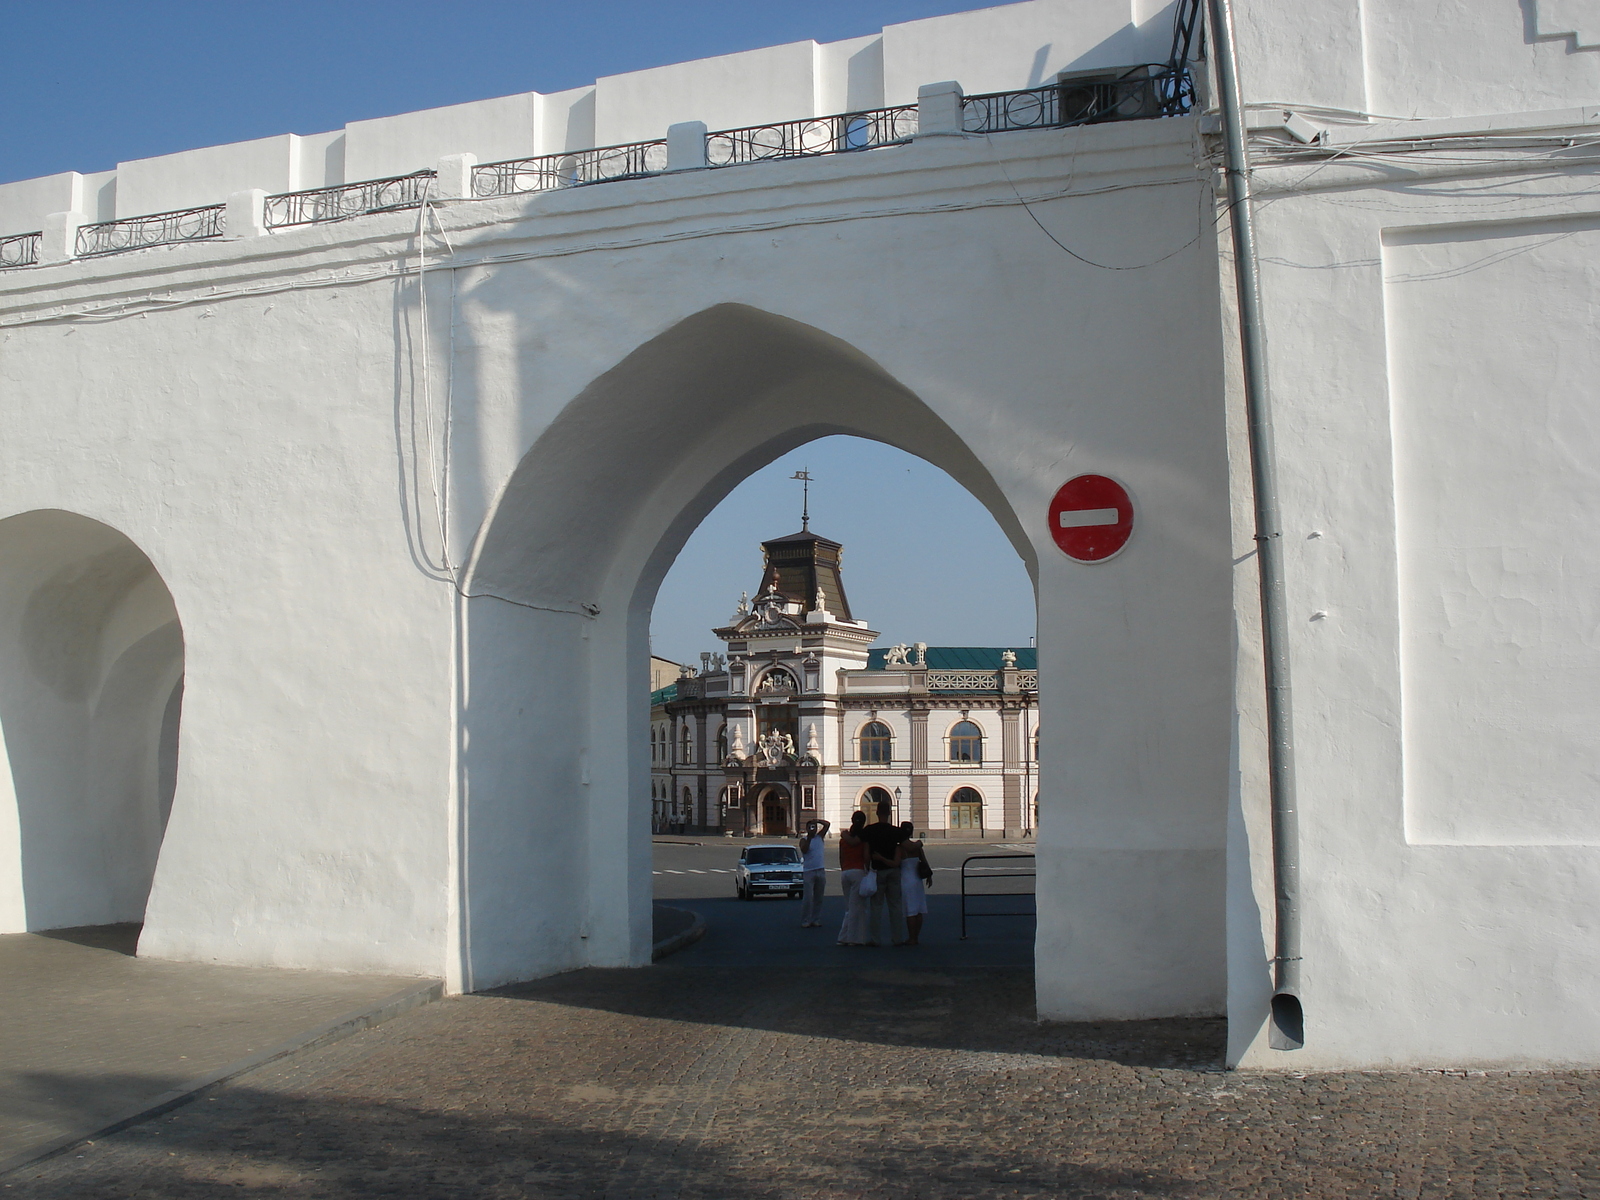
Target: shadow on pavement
<point x="256" y="1142"/>
<point x="755" y="969"/>
<point x="123" y="938"/>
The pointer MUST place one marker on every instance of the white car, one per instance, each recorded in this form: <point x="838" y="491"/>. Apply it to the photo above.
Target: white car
<point x="768" y="871"/>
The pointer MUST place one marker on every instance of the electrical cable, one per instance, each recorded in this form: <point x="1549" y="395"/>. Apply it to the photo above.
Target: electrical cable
<point x="1028" y="208"/>
<point x="123" y="310"/>
<point x="449" y="571"/>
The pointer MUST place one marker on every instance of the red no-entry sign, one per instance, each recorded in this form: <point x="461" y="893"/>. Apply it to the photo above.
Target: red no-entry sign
<point x="1091" y="518"/>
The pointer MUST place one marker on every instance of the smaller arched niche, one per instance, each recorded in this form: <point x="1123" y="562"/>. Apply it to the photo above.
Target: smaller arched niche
<point x="91" y="693"/>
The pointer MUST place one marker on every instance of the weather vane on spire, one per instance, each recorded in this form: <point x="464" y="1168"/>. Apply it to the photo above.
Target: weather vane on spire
<point x="805" y="499"/>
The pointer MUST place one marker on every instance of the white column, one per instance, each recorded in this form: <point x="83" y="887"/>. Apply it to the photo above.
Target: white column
<point x="245" y="215"/>
<point x="454" y="177"/>
<point x="686" y="146"/>
<point x="939" y="109"/>
<point x="59" y="238"/>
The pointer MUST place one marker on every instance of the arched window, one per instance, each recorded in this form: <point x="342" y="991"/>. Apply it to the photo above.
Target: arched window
<point x="686" y="745"/>
<point x="877" y="746"/>
<point x="870" y="800"/>
<point x="722" y="743"/>
<point x="966" y="809"/>
<point x="966" y="743"/>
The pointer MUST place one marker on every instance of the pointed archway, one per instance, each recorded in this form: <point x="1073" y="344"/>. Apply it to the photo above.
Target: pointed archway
<point x="553" y="852"/>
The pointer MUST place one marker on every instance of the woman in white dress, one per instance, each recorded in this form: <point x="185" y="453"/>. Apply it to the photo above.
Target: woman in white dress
<point x="912" y="864"/>
<point x="852" y="869"/>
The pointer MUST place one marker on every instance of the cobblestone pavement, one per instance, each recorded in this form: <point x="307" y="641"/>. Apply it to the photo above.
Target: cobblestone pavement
<point x="89" y="1031"/>
<point x="875" y="1076"/>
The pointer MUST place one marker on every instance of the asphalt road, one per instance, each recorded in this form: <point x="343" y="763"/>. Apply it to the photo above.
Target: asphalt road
<point x="767" y="931"/>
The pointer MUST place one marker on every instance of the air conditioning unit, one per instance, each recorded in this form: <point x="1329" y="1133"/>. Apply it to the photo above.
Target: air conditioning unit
<point x="1107" y="94"/>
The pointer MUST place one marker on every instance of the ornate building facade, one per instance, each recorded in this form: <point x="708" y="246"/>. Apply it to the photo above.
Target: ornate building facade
<point x="799" y="717"/>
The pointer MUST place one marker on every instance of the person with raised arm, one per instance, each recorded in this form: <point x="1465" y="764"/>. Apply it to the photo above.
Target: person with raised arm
<point x="814" y="872"/>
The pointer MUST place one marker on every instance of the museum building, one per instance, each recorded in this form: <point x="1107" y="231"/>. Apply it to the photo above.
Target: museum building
<point x="799" y="717"/>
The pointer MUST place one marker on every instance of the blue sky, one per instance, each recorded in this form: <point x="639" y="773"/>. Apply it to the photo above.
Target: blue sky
<point x="89" y="83"/>
<point x="923" y="560"/>
<point x="94" y="82"/>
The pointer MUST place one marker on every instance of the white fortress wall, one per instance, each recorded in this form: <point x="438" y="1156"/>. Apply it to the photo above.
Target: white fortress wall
<point x="319" y="159"/>
<point x="491" y="129"/>
<point x="1022" y="45"/>
<point x="196" y="177"/>
<point x="849" y="74"/>
<point x="1378" y="58"/>
<point x="23" y="204"/>
<point x="566" y="121"/>
<point x="362" y="750"/>
<point x="1401" y="59"/>
<point x="994" y="49"/>
<point x="775" y="83"/>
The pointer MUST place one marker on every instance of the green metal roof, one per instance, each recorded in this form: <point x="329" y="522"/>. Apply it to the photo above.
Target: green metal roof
<point x="965" y="658"/>
<point x="664" y="695"/>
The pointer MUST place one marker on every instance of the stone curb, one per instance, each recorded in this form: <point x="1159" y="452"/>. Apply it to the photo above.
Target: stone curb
<point x="323" y="1035"/>
<point x="671" y="945"/>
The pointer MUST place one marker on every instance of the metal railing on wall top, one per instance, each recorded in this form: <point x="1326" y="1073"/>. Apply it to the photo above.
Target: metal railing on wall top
<point x="547" y="172"/>
<point x="842" y="133"/>
<point x="155" y="229"/>
<point x="1141" y="92"/>
<point x="20" y="250"/>
<point x="346" y="200"/>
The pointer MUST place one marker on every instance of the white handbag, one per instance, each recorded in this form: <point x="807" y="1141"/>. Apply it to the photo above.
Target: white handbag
<point x="868" y="885"/>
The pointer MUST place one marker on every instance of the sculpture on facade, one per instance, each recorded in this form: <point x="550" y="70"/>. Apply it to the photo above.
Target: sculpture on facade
<point x="902" y="655"/>
<point x="1008" y="659"/>
<point x="775" y="750"/>
<point x="777" y="682"/>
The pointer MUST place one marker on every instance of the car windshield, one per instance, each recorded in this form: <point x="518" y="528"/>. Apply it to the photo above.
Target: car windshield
<point x="766" y="856"/>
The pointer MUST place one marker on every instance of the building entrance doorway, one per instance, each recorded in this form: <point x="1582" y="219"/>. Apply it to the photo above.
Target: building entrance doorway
<point x="775" y="813"/>
<point x="871" y="798"/>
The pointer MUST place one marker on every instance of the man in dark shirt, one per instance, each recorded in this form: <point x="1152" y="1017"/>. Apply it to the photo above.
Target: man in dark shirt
<point x="887" y="905"/>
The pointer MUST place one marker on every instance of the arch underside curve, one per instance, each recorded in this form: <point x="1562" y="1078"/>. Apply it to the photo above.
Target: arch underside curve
<point x="554" y="868"/>
<point x="91" y="685"/>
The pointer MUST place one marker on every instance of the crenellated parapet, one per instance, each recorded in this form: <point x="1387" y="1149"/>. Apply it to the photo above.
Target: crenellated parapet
<point x="800" y="98"/>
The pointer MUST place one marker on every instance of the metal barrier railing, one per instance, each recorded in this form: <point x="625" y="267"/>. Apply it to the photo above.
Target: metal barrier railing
<point x="838" y="134"/>
<point x="985" y="874"/>
<point x="573" y="168"/>
<point x="20" y="250"/>
<point x="1152" y="91"/>
<point x="154" y="229"/>
<point x="1139" y="93"/>
<point x="336" y="203"/>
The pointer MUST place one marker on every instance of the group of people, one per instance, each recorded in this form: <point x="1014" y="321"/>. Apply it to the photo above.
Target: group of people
<point x="885" y="874"/>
